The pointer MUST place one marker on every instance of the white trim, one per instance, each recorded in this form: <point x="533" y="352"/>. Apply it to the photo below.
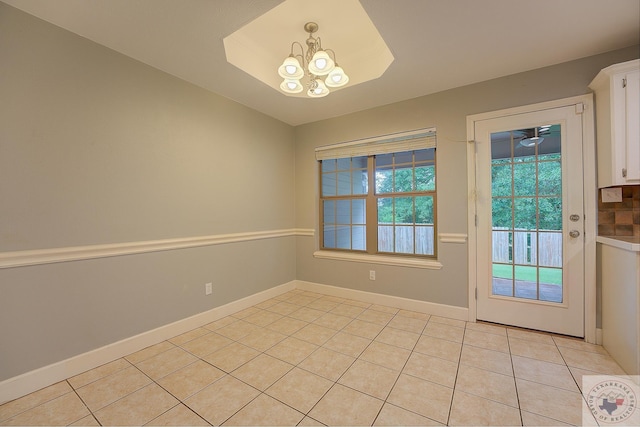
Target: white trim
<point x="450" y="311"/>
<point x="29" y="382"/>
<point x="398" y="261"/>
<point x="471" y="218"/>
<point x="78" y="253"/>
<point x="590" y="201"/>
<point x="452" y="237"/>
<point x="599" y="336"/>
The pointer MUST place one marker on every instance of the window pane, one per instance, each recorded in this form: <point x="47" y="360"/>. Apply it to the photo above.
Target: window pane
<point x="550" y="178"/>
<point x="385" y="210"/>
<point x="550" y="213"/>
<point x="358" y="238"/>
<point x="344" y="164"/>
<point x="501" y="246"/>
<point x="343" y="237"/>
<point x="329" y="236"/>
<point x="423" y="155"/>
<point x="501" y="213"/>
<point x="404" y="157"/>
<point x="383" y="160"/>
<point x="358" y="212"/>
<point x="501" y="180"/>
<point x="525" y="213"/>
<point x="403" y="180"/>
<point x="329" y="215"/>
<point x="403" y="210"/>
<point x="384" y="180"/>
<point x="359" y="162"/>
<point x="344" y="183"/>
<point x="424" y="210"/>
<point x="385" y="238"/>
<point x="526" y="280"/>
<point x="550" y="249"/>
<point x="424" y="240"/>
<point x="550" y="284"/>
<point x="501" y="146"/>
<point x="328" y="165"/>
<point x="404" y="239"/>
<point x="524" y="182"/>
<point x="328" y="184"/>
<point x="360" y="185"/>
<point x="343" y="212"/>
<point x="426" y="178"/>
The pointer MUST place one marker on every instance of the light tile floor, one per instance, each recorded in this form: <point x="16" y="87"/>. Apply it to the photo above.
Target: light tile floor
<point x="308" y="359"/>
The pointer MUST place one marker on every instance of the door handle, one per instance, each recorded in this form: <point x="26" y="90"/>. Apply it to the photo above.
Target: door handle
<point x="574" y="233"/>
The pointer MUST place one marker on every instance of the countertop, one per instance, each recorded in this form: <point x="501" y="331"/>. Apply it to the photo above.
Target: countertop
<point x="631" y="243"/>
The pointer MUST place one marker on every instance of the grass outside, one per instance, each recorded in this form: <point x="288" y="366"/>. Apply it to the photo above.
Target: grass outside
<point x="552" y="276"/>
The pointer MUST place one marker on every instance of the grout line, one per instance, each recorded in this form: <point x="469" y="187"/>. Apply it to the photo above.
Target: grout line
<point x="303" y="304"/>
<point x="513" y="372"/>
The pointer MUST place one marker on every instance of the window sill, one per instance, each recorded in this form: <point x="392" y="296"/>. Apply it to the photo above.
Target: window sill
<point x="430" y="264"/>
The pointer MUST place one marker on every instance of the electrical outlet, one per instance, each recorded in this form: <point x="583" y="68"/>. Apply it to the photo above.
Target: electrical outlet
<point x="372" y="275"/>
<point x="612" y="195"/>
<point x="208" y="288"/>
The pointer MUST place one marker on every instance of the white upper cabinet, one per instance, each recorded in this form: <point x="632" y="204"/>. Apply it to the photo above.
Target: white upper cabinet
<point x="617" y="93"/>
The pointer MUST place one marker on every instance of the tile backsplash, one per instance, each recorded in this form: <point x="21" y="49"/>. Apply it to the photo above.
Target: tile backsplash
<point x="621" y="218"/>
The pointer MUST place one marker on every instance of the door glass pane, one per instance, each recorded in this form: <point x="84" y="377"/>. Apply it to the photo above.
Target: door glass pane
<point x="526" y="185"/>
<point x="501" y="179"/>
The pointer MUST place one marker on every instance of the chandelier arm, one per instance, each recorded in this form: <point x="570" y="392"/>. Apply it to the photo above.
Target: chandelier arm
<point x="299" y="55"/>
<point x="300" y="45"/>
<point x="334" y="55"/>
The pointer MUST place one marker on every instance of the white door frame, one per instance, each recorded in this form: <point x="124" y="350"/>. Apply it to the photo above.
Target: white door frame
<point x="590" y="201"/>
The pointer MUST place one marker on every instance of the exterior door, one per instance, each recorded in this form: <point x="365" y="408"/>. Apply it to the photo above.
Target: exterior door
<point x="530" y="220"/>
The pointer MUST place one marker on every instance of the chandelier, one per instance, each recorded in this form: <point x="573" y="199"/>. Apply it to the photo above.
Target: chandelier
<point x="315" y="64"/>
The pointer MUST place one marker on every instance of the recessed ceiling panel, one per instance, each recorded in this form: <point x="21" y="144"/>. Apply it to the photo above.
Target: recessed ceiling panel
<point x="259" y="47"/>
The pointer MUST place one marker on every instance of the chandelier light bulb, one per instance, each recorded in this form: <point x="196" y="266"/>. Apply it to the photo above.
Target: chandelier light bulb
<point x="318" y="89"/>
<point x="337" y="77"/>
<point x="291" y="69"/>
<point x="321" y="64"/>
<point x="291" y="86"/>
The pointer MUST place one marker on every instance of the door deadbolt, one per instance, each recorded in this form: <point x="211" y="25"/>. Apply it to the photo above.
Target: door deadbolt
<point x="574" y="218"/>
<point x="574" y="233"/>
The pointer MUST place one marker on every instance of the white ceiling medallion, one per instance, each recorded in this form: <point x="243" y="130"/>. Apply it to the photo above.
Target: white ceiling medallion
<point x="259" y="47"/>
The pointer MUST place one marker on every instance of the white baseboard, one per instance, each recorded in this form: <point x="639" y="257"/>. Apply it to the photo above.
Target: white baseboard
<point x="452" y="312"/>
<point x="29" y="382"/>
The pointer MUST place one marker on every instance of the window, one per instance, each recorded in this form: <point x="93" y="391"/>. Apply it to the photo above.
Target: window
<point x="378" y="196"/>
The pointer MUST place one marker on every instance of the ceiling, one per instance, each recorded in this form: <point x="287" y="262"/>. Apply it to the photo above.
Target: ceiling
<point x="436" y="44"/>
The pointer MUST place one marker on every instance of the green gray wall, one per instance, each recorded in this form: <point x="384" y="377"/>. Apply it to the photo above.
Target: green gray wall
<point x="447" y="111"/>
<point x="96" y="148"/>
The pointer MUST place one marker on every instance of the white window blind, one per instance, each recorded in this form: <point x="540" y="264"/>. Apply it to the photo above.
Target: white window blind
<point x="392" y="143"/>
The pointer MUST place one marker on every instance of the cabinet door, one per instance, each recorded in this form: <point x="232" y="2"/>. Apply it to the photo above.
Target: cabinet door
<point x="632" y="140"/>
